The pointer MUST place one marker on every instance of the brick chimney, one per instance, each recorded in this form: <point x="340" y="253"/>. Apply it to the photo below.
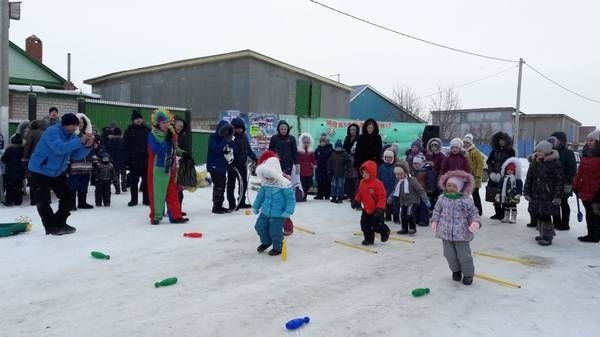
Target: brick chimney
<point x="33" y="46"/>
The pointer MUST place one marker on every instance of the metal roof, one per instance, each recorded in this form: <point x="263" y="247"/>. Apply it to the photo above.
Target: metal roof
<point x="216" y="58"/>
<point x="25" y="69"/>
<point x="359" y="89"/>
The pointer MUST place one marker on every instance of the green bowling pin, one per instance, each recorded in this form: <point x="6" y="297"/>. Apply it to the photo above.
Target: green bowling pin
<point x="420" y="292"/>
<point x="166" y="282"/>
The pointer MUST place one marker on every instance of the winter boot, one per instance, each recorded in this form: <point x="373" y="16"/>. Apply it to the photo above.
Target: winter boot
<point x="333" y="199"/>
<point x="593" y="235"/>
<point x="513" y="216"/>
<point x="467" y="280"/>
<point x="367" y="243"/>
<point x="180" y="220"/>
<point x="456" y="276"/>
<point x="338" y="200"/>
<point x="274" y="252"/>
<point x="506" y="216"/>
<point x="404" y="229"/>
<point x="262" y="248"/>
<point x="81" y="201"/>
<point x="220" y="210"/>
<point x="546" y="233"/>
<point x="412" y="228"/>
<point x="154" y="222"/>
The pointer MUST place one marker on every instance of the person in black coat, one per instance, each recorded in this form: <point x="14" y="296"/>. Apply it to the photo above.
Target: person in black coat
<point x="569" y="166"/>
<point x="115" y="146"/>
<point x="241" y="152"/>
<point x="502" y="149"/>
<point x="285" y="146"/>
<point x="368" y="144"/>
<point x="136" y="144"/>
<point x="322" y="154"/>
<point x="351" y="183"/>
<point x="15" y="172"/>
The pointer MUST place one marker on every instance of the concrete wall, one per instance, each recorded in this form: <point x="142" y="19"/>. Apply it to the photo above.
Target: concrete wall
<point x="244" y="84"/>
<point x="538" y="128"/>
<point x="19" y="105"/>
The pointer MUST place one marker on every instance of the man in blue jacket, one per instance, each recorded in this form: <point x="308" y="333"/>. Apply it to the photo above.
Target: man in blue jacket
<point x="220" y="155"/>
<point x="47" y="166"/>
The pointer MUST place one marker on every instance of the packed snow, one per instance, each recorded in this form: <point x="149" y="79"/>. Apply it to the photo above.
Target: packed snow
<point x="50" y="286"/>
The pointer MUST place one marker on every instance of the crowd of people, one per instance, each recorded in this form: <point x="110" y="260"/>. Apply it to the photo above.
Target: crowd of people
<point x="425" y="185"/>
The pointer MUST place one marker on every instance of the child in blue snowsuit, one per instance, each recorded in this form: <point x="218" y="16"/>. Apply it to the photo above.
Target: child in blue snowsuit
<point x="275" y="202"/>
<point x="385" y="173"/>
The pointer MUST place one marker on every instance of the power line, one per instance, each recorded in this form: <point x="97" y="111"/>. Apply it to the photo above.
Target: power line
<point x="471" y="82"/>
<point x="410" y="36"/>
<point x="562" y="86"/>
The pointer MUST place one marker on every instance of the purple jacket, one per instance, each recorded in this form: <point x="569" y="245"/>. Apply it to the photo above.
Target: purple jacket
<point x="455" y="216"/>
<point x="455" y="162"/>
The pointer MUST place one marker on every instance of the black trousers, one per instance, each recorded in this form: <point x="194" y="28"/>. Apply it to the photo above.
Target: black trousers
<point x="324" y="187"/>
<point x="102" y="193"/>
<point x="562" y="220"/>
<point x="133" y="179"/>
<point x="219" y="182"/>
<point x="499" y="210"/>
<point x="371" y="224"/>
<point x="392" y="212"/>
<point x="43" y="184"/>
<point x="476" y="200"/>
<point x="14" y="191"/>
<point x="232" y="178"/>
<point x="350" y="188"/>
<point x="593" y="220"/>
<point x="408" y="217"/>
<point x="306" y="183"/>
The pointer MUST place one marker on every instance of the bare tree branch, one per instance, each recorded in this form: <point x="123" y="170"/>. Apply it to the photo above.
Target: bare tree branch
<point x="445" y="101"/>
<point x="407" y="98"/>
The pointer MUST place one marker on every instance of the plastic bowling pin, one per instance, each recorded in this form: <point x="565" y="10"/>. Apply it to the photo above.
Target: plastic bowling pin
<point x="296" y="323"/>
<point x="420" y="292"/>
<point x="100" y="255"/>
<point x="192" y="235"/>
<point x="284" y="251"/>
<point x="166" y="282"/>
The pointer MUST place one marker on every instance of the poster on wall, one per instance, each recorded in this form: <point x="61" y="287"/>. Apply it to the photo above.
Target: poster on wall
<point x="259" y="127"/>
<point x="402" y="133"/>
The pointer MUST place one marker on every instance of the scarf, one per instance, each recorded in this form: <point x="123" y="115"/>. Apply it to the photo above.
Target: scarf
<point x="399" y="188"/>
<point x="453" y="196"/>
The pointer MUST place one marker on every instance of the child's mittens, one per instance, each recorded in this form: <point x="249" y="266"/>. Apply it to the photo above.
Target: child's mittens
<point x="474" y="227"/>
<point x="434" y="226"/>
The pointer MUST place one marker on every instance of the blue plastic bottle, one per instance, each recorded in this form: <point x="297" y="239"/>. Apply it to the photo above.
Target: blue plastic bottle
<point x="296" y="323"/>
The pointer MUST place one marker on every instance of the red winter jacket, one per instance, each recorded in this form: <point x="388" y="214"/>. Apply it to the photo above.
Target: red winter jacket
<point x="455" y="162"/>
<point x="307" y="162"/>
<point x="587" y="180"/>
<point x="371" y="193"/>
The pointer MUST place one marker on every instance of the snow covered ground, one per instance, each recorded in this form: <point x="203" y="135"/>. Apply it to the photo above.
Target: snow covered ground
<point x="50" y="286"/>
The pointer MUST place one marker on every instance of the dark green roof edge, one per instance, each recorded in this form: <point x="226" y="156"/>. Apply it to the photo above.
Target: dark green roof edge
<point x="40" y="64"/>
<point x="46" y="84"/>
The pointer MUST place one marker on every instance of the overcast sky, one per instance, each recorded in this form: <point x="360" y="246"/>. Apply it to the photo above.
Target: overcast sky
<point x="560" y="38"/>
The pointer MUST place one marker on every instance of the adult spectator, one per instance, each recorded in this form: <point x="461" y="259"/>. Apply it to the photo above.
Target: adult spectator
<point x="285" y="146"/>
<point x="587" y="184"/>
<point x="53" y="117"/>
<point x="502" y="149"/>
<point x="476" y="163"/>
<point x="368" y="145"/>
<point x="569" y="166"/>
<point x="48" y="164"/>
<point x="136" y="143"/>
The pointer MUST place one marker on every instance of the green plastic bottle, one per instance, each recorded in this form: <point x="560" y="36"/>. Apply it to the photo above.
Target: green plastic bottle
<point x="100" y="255"/>
<point x="420" y="292"/>
<point x="166" y="282"/>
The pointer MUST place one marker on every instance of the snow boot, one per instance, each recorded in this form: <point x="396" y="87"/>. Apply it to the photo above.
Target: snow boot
<point x="274" y="252"/>
<point x="367" y="243"/>
<point x="81" y="201"/>
<point x="403" y="231"/>
<point x="244" y="205"/>
<point x="318" y="197"/>
<point x="467" y="280"/>
<point x="412" y="229"/>
<point x="513" y="216"/>
<point x="154" y="222"/>
<point x="338" y="201"/>
<point x="456" y="276"/>
<point x="69" y="229"/>
<point x="180" y="220"/>
<point x="262" y="248"/>
<point x="220" y="210"/>
<point x="546" y="229"/>
<point x="506" y="216"/>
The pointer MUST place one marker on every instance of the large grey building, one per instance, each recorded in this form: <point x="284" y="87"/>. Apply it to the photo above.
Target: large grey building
<point x="245" y="80"/>
<point x="484" y="122"/>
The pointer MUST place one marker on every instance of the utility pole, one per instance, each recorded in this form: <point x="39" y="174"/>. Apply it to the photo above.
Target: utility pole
<point x="4" y="24"/>
<point x="8" y="11"/>
<point x="518" y="108"/>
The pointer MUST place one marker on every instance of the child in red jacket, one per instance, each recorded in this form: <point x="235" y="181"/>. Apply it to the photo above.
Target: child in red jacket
<point x="371" y="194"/>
